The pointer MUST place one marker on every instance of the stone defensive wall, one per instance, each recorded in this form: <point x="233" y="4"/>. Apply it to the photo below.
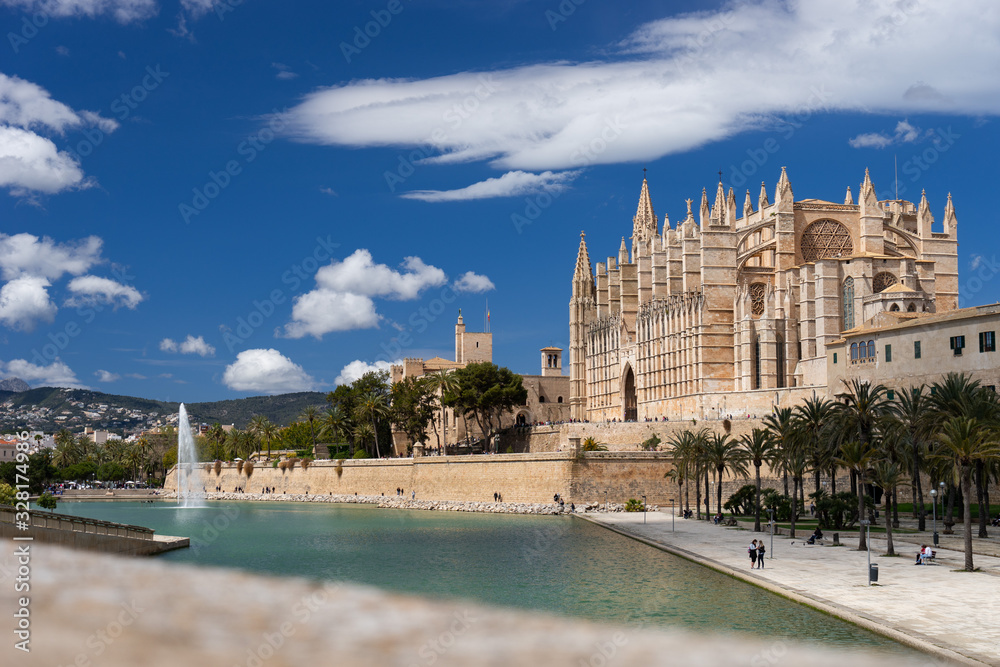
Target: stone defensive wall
<point x="617" y="436"/>
<point x="519" y="478"/>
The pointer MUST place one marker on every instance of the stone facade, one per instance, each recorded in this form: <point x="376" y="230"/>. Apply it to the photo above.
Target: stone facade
<point x="520" y="478"/>
<point x="733" y="314"/>
<point x="548" y="392"/>
<point x="900" y="349"/>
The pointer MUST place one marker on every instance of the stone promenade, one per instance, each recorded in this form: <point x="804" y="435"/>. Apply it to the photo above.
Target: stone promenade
<point x="953" y="615"/>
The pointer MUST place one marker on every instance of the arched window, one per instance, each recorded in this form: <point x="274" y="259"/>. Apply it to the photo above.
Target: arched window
<point x="781" y="361"/>
<point x="912" y="308"/>
<point x="895" y="308"/>
<point x="862" y="351"/>
<point x="882" y="281"/>
<point x="541" y="399"/>
<point x="559" y="400"/>
<point x="848" y="303"/>
<point x="826" y="238"/>
<point x="871" y="349"/>
<point x="854" y="351"/>
<point x="756" y="362"/>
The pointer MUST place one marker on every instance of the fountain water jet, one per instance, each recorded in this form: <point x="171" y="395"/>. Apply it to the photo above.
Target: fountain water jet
<point x="188" y="493"/>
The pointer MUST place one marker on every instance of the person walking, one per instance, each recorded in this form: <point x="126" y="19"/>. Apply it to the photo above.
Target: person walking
<point x="760" y="554"/>
<point x="753" y="554"/>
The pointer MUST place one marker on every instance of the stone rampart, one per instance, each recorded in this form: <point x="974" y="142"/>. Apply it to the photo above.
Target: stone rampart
<point x="519" y="478"/>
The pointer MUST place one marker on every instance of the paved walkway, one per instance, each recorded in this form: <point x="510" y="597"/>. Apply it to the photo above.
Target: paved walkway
<point x="954" y="615"/>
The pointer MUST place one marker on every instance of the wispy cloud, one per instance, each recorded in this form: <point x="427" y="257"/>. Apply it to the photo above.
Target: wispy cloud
<point x="511" y="184"/>
<point x="679" y="83"/>
<point x="904" y="133"/>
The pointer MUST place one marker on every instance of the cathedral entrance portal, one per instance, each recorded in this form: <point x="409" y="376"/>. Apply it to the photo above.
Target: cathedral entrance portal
<point x="628" y="389"/>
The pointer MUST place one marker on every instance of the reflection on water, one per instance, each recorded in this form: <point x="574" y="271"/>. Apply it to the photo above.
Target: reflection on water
<point x="557" y="564"/>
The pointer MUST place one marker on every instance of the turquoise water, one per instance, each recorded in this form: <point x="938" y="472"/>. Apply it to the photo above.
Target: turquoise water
<point x="557" y="564"/>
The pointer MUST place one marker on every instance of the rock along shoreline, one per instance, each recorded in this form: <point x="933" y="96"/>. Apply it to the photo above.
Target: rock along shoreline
<point x="402" y="503"/>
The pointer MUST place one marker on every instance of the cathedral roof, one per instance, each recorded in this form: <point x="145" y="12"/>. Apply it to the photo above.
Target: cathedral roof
<point x="898" y="287"/>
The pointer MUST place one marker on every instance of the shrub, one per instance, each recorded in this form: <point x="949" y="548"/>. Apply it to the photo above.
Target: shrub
<point x="218" y="468"/>
<point x="634" y="505"/>
<point x="248" y="469"/>
<point x="781" y="504"/>
<point x="7" y="494"/>
<point x="303" y="453"/>
<point x="839" y="510"/>
<point x="340" y="456"/>
<point x="239" y="466"/>
<point x="208" y="467"/>
<point x="361" y="454"/>
<point x="305" y="463"/>
<point x="283" y="466"/>
<point x="591" y="445"/>
<point x="47" y="501"/>
<point x="650" y="444"/>
<point x="291" y="463"/>
<point x="741" y="503"/>
<point x="274" y="464"/>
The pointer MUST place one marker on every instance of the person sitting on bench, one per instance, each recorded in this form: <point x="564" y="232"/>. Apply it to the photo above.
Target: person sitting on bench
<point x="817" y="535"/>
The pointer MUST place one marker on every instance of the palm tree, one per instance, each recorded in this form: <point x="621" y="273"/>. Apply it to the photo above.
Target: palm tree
<point x="269" y="433"/>
<point x="145" y="449"/>
<point x="888" y="475"/>
<point x="723" y="454"/>
<point x="863" y="411"/>
<point x="857" y="456"/>
<point x="217" y="435"/>
<point x="311" y="414"/>
<point x="263" y="430"/>
<point x="914" y="419"/>
<point x="963" y="443"/>
<point x="679" y="445"/>
<point x="441" y="383"/>
<point x="374" y="407"/>
<point x="760" y="449"/>
<point x="783" y="433"/>
<point x="337" y="424"/>
<point x="812" y="419"/>
<point x="363" y="432"/>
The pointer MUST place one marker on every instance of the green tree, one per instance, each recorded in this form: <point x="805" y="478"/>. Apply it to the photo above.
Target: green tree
<point x="760" y="449"/>
<point x="441" y="384"/>
<point x="914" y="419"/>
<point x="310" y="415"/>
<point x="963" y="442"/>
<point x="857" y="456"/>
<point x="8" y="494"/>
<point x="486" y="392"/>
<point x="337" y="426"/>
<point x="888" y="475"/>
<point x="413" y="403"/>
<point x="723" y="454"/>
<point x="47" y="501"/>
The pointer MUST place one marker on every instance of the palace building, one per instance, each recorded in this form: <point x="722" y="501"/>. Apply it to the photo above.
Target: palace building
<point x="735" y="312"/>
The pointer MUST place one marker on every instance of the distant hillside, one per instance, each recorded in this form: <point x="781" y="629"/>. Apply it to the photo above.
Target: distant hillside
<point x="14" y="384"/>
<point x="51" y="408"/>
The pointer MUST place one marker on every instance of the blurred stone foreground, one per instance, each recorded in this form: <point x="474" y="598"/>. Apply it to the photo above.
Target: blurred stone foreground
<point x="93" y="609"/>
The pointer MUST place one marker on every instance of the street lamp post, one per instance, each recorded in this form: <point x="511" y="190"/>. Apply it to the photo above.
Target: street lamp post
<point x="770" y="524"/>
<point x="934" y="510"/>
<point x="644" y="508"/>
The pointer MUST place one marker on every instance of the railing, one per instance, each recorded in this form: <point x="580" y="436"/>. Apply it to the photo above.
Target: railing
<point x="78" y="524"/>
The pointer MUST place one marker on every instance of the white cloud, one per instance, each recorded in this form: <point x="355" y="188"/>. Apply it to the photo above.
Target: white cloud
<point x="56" y="374"/>
<point x="473" y="282"/>
<point x="198" y="8"/>
<point x="107" y="376"/>
<point x="904" y="133"/>
<point x="91" y="290"/>
<point x="24" y="302"/>
<point x="513" y="183"/>
<point x="679" y="83"/>
<point x="190" y="345"/>
<point x="975" y="261"/>
<point x="329" y="191"/>
<point x="30" y="162"/>
<point x="323" y="311"/>
<point x="62" y="50"/>
<point x="357" y="368"/>
<point x="266" y="371"/>
<point x="358" y="274"/>
<point x="124" y="11"/>
<point x="343" y="298"/>
<point x="26" y="254"/>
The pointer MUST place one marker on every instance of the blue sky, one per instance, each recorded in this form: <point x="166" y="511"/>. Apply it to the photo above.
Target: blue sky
<point x="208" y="199"/>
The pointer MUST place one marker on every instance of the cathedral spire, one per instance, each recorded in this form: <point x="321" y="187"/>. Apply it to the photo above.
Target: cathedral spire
<point x="623" y="253"/>
<point x="719" y="205"/>
<point x="867" y="197"/>
<point x="783" y="193"/>
<point x="925" y="219"/>
<point x="762" y="202"/>
<point x="747" y="206"/>
<point x="950" y="221"/>
<point x="849" y="198"/>
<point x="644" y="224"/>
<point x="583" y="266"/>
<point x="705" y="213"/>
<point x="731" y="208"/>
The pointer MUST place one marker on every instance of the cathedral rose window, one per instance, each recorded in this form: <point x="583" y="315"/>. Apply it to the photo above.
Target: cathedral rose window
<point x="882" y="281"/>
<point x="826" y="238"/>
